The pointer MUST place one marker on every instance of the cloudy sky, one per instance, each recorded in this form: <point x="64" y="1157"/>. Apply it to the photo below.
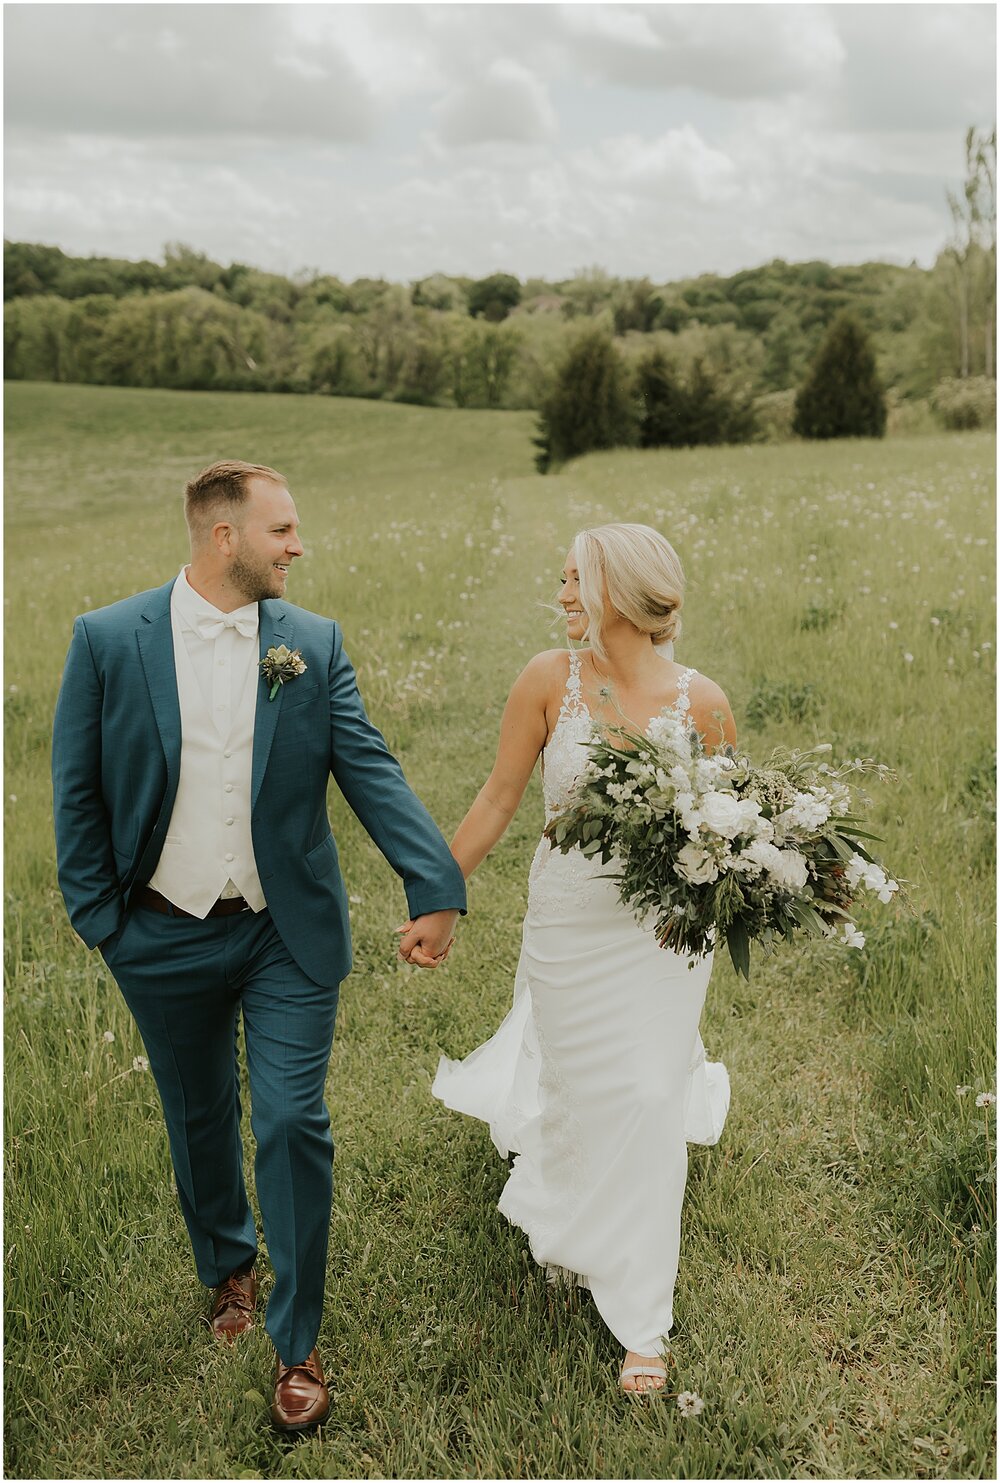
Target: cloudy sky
<point x="399" y="140"/>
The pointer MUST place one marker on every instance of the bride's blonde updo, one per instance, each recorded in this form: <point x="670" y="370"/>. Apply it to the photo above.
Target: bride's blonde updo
<point x="645" y="580"/>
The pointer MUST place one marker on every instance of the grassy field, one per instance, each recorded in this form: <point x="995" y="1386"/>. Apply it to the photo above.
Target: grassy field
<point x="835" y="1300"/>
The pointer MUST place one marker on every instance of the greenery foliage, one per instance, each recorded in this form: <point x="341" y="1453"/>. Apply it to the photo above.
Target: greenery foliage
<point x="109" y="321"/>
<point x="961" y="405"/>
<point x="685" y="411"/>
<point x="589" y="405"/>
<point x="835" y="1303"/>
<point x="842" y="396"/>
<point x="494" y="297"/>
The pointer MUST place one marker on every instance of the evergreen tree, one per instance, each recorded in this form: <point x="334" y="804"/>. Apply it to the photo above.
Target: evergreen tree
<point x="589" y="405"/>
<point x="684" y="413"/>
<point x="663" y="402"/>
<point x="842" y="396"/>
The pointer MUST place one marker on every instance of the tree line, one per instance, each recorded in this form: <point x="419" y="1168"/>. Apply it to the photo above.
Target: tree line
<point x="741" y="345"/>
<point x="598" y="401"/>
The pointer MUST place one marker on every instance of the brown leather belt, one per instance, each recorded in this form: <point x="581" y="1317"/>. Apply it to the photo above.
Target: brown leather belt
<point x="146" y="896"/>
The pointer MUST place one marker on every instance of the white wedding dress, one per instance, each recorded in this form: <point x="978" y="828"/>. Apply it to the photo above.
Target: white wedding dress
<point x="597" y="1078"/>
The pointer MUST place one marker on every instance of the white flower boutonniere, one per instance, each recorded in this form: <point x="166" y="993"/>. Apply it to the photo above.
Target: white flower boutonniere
<point x="281" y="665"/>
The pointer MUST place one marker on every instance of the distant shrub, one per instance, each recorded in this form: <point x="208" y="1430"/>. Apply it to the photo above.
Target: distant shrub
<point x="780" y="700"/>
<point x="964" y="404"/>
<point x="773" y="416"/>
<point x="818" y="616"/>
<point x="493" y="298"/>
<point x="589" y="405"/>
<point x="908" y="415"/>
<point x="981" y="783"/>
<point x="842" y="396"/>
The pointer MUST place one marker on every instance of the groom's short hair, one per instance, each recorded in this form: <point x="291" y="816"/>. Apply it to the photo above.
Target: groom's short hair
<point x="218" y="490"/>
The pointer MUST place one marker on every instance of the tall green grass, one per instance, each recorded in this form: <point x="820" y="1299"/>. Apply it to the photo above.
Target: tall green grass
<point x="835" y="1300"/>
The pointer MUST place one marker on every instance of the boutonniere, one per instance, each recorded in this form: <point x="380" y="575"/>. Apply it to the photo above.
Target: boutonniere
<point x="280" y="665"/>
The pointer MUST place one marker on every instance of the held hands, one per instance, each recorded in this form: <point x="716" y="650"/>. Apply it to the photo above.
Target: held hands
<point x="426" y="940"/>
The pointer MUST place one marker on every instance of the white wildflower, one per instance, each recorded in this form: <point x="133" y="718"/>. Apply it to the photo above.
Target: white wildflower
<point x="809" y="811"/>
<point x="621" y="792"/>
<point x="963" y="1091"/>
<point x="871" y="877"/>
<point x="689" y="1403"/>
<point x="852" y="937"/>
<point x="986" y="1099"/>
<point x="140" y="1063"/>
<point x="108" y="1037"/>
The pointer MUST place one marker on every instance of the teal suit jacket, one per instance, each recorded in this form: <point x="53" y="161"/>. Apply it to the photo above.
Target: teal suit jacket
<point x="116" y="750"/>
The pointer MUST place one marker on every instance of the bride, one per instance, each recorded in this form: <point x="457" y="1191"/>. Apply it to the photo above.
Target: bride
<point x="597" y="1078"/>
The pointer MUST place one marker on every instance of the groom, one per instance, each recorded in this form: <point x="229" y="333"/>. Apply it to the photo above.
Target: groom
<point x="196" y="730"/>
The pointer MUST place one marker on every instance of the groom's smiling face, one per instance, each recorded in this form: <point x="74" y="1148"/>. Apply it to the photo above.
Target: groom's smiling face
<point x="265" y="541"/>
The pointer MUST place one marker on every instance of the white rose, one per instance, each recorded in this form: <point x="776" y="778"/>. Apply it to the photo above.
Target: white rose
<point x="759" y="828"/>
<point x="669" y="736"/>
<point x="750" y="817"/>
<point x="793" y="870"/>
<point x="764" y="854"/>
<point x="722" y="813"/>
<point x="695" y="865"/>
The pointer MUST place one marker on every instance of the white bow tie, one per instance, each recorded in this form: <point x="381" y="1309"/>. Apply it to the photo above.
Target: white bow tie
<point x="209" y="628"/>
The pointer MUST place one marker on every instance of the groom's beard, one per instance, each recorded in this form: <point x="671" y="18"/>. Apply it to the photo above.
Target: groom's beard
<point x="256" y="580"/>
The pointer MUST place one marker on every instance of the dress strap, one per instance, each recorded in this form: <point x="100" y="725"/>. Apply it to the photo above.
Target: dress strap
<point x="573" y="703"/>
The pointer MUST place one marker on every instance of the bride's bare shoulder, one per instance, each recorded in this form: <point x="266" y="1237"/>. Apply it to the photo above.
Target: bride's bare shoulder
<point x="545" y="674"/>
<point x="550" y="664"/>
<point x="710" y="709"/>
<point x="703" y="691"/>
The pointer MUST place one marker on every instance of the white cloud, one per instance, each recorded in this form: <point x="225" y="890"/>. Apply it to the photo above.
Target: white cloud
<point x="401" y="139"/>
<point x="507" y="103"/>
<point x="678" y="160"/>
<point x="729" y="51"/>
<point x="177" y="70"/>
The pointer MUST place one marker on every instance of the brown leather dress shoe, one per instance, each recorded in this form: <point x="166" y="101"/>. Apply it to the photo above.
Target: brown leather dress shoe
<point x="233" y="1306"/>
<point x="301" y="1399"/>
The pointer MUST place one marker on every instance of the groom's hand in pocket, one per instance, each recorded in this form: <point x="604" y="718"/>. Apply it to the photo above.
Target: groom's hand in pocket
<point x="426" y="940"/>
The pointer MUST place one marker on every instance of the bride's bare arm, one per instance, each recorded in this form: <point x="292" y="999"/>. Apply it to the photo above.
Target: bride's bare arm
<point x="523" y="731"/>
<point x="711" y="714"/>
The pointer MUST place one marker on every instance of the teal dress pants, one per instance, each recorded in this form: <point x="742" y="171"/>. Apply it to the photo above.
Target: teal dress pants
<point x="186" y="982"/>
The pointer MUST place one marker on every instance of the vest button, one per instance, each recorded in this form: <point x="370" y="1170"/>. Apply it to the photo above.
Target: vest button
<point x="230" y="857"/>
<point x="230" y="821"/>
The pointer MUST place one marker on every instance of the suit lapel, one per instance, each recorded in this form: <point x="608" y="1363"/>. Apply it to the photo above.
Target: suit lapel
<point x="276" y="628"/>
<point x="156" y="649"/>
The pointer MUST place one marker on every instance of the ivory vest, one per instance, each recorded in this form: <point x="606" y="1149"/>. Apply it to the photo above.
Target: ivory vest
<point x="208" y="841"/>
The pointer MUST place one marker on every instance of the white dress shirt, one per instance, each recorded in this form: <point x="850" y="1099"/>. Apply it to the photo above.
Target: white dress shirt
<point x="208" y="850"/>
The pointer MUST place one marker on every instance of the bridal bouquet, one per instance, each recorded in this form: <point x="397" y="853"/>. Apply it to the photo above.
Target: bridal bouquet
<point x="718" y="848"/>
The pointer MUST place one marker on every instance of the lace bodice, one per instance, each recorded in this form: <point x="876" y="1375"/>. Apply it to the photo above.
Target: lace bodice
<point x="564" y="754"/>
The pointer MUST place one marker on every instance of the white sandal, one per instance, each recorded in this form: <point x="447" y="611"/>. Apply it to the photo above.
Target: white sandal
<point x="630" y="1372"/>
